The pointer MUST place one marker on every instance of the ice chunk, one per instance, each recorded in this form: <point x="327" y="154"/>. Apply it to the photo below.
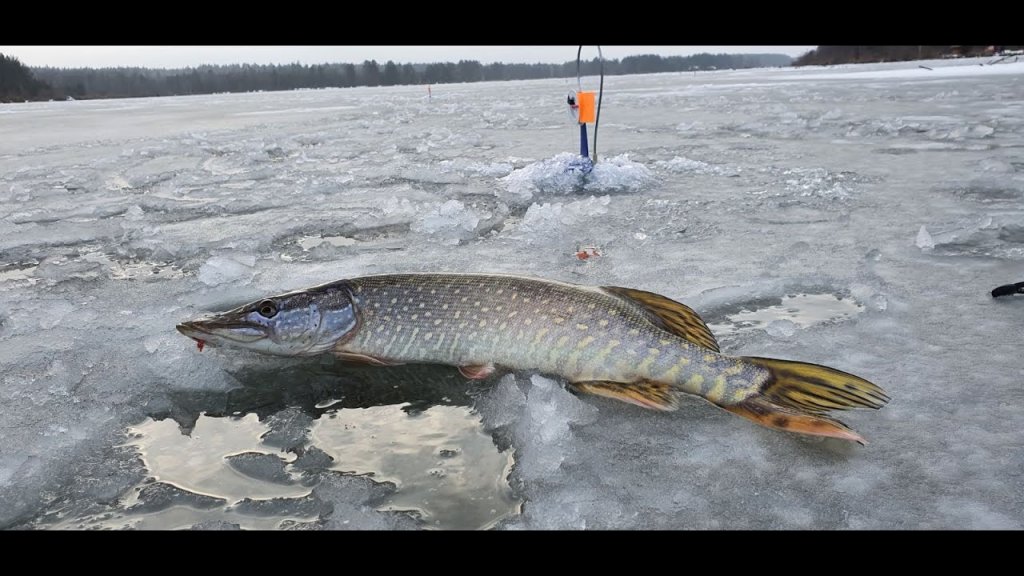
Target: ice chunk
<point x="504" y="403"/>
<point x="996" y="165"/>
<point x="565" y="174"/>
<point x="263" y="467"/>
<point x="619" y="174"/>
<point x="450" y="223"/>
<point x="306" y="507"/>
<point x="981" y="131"/>
<point x="781" y="328"/>
<point x="547" y="217"/>
<point x="162" y="495"/>
<point x="134" y="213"/>
<point x="683" y="165"/>
<point x="958" y="133"/>
<point x="680" y="165"/>
<point x="395" y="207"/>
<point x="988" y="236"/>
<point x="545" y="427"/>
<point x="354" y="501"/>
<point x="873" y="299"/>
<point x="466" y="168"/>
<point x="237" y="268"/>
<point x="690" y="127"/>
<point x="924" y="239"/>
<point x="878" y="302"/>
<point x="558" y="175"/>
<point x="60" y="269"/>
<point x="289" y="429"/>
<point x="313" y="459"/>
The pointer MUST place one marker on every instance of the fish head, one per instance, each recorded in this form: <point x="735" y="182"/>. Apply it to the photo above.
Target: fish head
<point x="301" y="323"/>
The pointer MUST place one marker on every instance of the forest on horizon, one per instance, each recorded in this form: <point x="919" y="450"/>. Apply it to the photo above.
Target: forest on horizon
<point x="19" y="82"/>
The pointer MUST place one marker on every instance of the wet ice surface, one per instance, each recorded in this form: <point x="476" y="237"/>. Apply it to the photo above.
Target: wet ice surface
<point x="784" y="317"/>
<point x="889" y="193"/>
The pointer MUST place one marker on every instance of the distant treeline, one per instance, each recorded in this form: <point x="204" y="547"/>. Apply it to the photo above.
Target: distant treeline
<point x="829" y="55"/>
<point x="80" y="83"/>
<point x="17" y="82"/>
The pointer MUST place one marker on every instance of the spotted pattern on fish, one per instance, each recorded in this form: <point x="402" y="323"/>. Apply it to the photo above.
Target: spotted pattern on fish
<point x="568" y="330"/>
<point x="627" y="344"/>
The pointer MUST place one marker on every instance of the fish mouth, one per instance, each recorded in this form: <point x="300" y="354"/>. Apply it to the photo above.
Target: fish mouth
<point x="237" y="331"/>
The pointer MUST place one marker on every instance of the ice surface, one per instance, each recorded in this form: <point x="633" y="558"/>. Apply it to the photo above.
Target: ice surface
<point x="855" y="216"/>
<point x="237" y="268"/>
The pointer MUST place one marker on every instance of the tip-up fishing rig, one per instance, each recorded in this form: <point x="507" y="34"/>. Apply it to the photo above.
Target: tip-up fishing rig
<point x="583" y="111"/>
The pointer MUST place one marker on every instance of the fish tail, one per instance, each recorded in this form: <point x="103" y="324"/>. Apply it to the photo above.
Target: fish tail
<point x="796" y="395"/>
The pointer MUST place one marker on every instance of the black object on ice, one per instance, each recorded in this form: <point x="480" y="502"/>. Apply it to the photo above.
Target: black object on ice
<point x="1008" y="289"/>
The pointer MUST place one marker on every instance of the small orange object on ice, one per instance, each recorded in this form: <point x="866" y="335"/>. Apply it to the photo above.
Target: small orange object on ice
<point x="587" y="252"/>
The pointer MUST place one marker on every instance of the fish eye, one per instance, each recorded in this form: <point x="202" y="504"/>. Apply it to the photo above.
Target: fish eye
<point x="267" y="309"/>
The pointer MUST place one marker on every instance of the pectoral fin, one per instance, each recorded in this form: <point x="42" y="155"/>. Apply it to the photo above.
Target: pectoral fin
<point x="477" y="372"/>
<point x="364" y="359"/>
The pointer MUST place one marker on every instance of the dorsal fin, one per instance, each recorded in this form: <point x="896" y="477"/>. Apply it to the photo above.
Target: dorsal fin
<point x="670" y="315"/>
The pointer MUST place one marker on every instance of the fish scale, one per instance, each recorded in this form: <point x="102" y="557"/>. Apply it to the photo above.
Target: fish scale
<point x="627" y="344"/>
<point x="489" y="312"/>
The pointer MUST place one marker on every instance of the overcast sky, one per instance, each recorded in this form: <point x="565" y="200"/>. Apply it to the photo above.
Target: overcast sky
<point x="181" y="56"/>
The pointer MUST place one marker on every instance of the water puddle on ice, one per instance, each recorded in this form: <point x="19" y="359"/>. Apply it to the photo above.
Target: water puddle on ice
<point x="230" y="469"/>
<point x="210" y="475"/>
<point x="446" y="468"/>
<point x="14" y="272"/>
<point x="203" y="462"/>
<point x="310" y="242"/>
<point x="794" y="311"/>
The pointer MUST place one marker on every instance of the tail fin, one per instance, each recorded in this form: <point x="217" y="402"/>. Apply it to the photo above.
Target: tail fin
<point x="797" y="394"/>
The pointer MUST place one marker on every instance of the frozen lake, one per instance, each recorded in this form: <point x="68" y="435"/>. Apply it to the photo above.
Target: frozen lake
<point x="854" y="216"/>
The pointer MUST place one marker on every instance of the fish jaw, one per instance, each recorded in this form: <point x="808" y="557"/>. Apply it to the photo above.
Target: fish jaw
<point x="252" y="338"/>
<point x="221" y="332"/>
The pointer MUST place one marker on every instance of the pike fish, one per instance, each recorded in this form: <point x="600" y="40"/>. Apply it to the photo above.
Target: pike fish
<point x="627" y="344"/>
